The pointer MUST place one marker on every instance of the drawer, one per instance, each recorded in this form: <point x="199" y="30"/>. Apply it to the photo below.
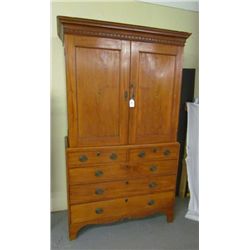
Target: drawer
<point x="152" y="168"/>
<point x="154" y="153"/>
<point x="96" y="156"/>
<point x="110" y="190"/>
<point x="121" y="208"/>
<point x="113" y="172"/>
<point x="96" y="174"/>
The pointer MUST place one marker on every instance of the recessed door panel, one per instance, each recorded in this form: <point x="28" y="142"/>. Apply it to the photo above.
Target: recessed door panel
<point x="98" y="85"/>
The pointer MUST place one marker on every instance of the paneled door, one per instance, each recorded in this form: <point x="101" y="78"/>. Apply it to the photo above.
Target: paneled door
<point x="97" y="81"/>
<point x="155" y="87"/>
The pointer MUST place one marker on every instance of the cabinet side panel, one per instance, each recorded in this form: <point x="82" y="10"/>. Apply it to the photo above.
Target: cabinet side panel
<point x="71" y="89"/>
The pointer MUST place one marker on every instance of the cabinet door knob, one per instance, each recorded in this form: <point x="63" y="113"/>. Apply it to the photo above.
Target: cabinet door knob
<point x="152" y="184"/>
<point x="99" y="191"/>
<point x="151" y="202"/>
<point x="166" y="152"/>
<point x="153" y="168"/>
<point x="113" y="156"/>
<point x="98" y="153"/>
<point x="99" y="211"/>
<point x="83" y="158"/>
<point x="98" y="173"/>
<point x="141" y="154"/>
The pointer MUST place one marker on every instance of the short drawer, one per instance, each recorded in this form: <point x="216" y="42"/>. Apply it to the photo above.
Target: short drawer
<point x="121" y="208"/>
<point x="90" y="156"/>
<point x="111" y="190"/>
<point x="96" y="174"/>
<point x="154" y="153"/>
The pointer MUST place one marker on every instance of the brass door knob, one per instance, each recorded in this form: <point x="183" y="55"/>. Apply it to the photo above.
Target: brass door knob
<point x="99" y="191"/>
<point x="113" y="156"/>
<point x="153" y="168"/>
<point x="152" y="184"/>
<point x="141" y="154"/>
<point x="151" y="202"/>
<point x="166" y="152"/>
<point x="98" y="173"/>
<point x="99" y="211"/>
<point x="83" y="158"/>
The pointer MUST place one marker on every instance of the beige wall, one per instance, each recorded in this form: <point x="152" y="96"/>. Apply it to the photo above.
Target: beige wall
<point x="126" y="12"/>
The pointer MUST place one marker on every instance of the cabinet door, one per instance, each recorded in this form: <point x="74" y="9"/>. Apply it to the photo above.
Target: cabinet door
<point x="155" y="85"/>
<point x="97" y="78"/>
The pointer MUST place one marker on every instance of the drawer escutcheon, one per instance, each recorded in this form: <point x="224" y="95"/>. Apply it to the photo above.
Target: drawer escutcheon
<point x="99" y="211"/>
<point x="152" y="184"/>
<point x="153" y="168"/>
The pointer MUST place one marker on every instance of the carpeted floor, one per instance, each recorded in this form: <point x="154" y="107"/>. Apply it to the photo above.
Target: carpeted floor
<point x="149" y="233"/>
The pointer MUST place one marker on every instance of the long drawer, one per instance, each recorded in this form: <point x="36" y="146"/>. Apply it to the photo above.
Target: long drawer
<point x="123" y="207"/>
<point x="102" y="173"/>
<point x="115" y="189"/>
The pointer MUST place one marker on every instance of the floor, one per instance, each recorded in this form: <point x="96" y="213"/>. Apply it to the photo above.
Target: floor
<point x="149" y="233"/>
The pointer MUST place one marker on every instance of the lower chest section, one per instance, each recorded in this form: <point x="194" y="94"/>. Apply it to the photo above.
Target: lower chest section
<point x="112" y="183"/>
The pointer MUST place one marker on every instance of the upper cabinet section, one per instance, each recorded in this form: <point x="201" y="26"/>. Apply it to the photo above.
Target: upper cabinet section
<point x="88" y="27"/>
<point x="123" y="82"/>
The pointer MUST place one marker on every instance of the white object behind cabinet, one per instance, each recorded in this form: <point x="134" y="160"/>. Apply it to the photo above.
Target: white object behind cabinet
<point x="192" y="160"/>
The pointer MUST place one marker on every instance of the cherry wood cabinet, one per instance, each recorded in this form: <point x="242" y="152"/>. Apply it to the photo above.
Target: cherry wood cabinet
<point x="123" y="91"/>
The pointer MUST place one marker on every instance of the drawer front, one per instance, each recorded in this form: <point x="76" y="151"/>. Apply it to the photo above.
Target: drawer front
<point x="96" y="174"/>
<point x="154" y="153"/>
<point x="85" y="157"/>
<point x="123" y="207"/>
<point x="154" y="168"/>
<point x="111" y="190"/>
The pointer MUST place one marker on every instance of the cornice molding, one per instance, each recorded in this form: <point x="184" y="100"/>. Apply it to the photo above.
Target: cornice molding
<point x="88" y="27"/>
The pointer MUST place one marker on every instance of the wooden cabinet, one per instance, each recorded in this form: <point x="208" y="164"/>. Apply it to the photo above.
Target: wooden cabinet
<point x="123" y="90"/>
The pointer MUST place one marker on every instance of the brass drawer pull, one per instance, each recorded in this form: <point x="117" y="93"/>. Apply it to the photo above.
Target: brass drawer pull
<point x="153" y="168"/>
<point x="151" y="202"/>
<point x="113" y="156"/>
<point x="98" y="153"/>
<point x="166" y="152"/>
<point x="99" y="191"/>
<point x="83" y="158"/>
<point x="98" y="173"/>
<point x="141" y="154"/>
<point x="99" y="211"/>
<point x="152" y="184"/>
